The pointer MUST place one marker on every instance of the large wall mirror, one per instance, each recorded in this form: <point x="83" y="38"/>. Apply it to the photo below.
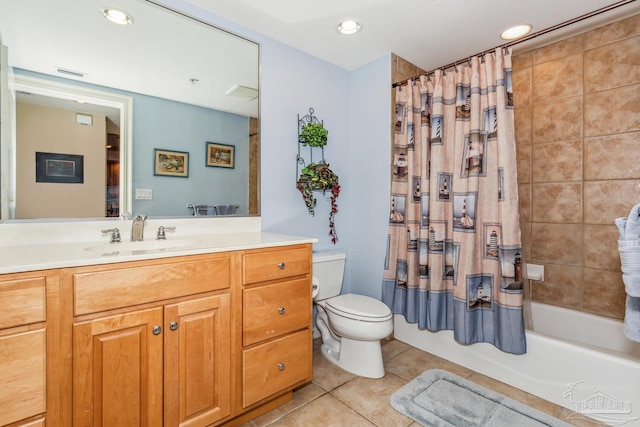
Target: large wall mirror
<point x="159" y="116"/>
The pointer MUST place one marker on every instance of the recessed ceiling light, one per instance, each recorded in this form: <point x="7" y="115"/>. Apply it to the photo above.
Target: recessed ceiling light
<point x="515" y="32"/>
<point x="349" y="26"/>
<point x="117" y="16"/>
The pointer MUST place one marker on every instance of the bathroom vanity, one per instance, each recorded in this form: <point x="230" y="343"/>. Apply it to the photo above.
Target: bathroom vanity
<point x="213" y="332"/>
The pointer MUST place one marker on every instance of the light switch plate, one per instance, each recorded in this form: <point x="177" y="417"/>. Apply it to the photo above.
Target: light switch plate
<point x="144" y="194"/>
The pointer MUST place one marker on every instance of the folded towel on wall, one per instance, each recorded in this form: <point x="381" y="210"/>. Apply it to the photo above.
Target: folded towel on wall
<point x="621" y="223"/>
<point x="632" y="227"/>
<point x="632" y="284"/>
<point x="632" y="319"/>
<point x="629" y="249"/>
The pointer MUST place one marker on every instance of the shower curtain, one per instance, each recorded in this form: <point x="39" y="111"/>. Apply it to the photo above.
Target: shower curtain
<point x="454" y="256"/>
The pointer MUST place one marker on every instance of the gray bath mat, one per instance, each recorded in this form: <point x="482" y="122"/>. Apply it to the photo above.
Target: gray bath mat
<point x="440" y="398"/>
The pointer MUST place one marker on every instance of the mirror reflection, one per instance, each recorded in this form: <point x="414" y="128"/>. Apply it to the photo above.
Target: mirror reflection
<point x="156" y="117"/>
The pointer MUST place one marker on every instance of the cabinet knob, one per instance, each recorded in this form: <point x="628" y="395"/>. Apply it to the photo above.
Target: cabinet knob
<point x="173" y="326"/>
<point x="281" y="366"/>
<point x="281" y="265"/>
<point x="281" y="310"/>
<point x="157" y="330"/>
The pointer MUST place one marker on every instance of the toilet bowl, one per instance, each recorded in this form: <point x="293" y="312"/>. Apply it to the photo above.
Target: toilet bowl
<point x="351" y="325"/>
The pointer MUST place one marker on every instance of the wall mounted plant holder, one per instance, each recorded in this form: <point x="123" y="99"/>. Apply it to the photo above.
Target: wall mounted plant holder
<point x="315" y="176"/>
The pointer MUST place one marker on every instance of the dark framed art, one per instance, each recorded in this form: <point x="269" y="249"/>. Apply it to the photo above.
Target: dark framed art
<point x="221" y="155"/>
<point x="59" y="168"/>
<point x="171" y="163"/>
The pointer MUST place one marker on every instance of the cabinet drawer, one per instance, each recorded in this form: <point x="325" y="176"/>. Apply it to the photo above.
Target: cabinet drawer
<point x="22" y="301"/>
<point x="96" y="291"/>
<point x="273" y="310"/>
<point x="276" y="264"/>
<point x="22" y="376"/>
<point x="276" y="366"/>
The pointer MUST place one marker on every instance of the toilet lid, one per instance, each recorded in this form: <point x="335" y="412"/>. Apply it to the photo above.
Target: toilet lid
<point x="359" y="305"/>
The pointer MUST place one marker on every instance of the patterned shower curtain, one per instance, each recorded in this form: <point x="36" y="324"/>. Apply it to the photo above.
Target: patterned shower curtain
<point x="454" y="256"/>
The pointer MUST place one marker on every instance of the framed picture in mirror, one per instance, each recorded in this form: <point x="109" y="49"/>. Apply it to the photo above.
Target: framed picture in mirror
<point x="59" y="168"/>
<point x="171" y="163"/>
<point x="221" y="155"/>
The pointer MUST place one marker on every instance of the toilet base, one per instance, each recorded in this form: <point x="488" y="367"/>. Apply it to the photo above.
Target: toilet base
<point x="362" y="358"/>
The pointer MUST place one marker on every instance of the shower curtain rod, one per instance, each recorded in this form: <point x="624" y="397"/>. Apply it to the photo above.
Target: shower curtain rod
<point x="523" y="39"/>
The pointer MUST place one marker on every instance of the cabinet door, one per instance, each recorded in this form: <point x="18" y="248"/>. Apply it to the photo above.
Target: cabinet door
<point x="197" y="361"/>
<point x="22" y="375"/>
<point x="117" y="364"/>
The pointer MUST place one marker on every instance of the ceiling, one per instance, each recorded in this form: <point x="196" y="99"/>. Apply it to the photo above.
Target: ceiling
<point x="159" y="55"/>
<point x="427" y="33"/>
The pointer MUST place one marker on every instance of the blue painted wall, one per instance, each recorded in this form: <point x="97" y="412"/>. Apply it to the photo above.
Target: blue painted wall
<point x="171" y="125"/>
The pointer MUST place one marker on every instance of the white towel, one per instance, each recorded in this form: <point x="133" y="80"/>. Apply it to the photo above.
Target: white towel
<point x="632" y="284"/>
<point x="632" y="227"/>
<point x="621" y="223"/>
<point x="632" y="319"/>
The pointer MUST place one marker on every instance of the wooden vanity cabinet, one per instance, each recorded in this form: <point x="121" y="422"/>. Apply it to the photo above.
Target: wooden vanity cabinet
<point x="200" y="340"/>
<point x="23" y="348"/>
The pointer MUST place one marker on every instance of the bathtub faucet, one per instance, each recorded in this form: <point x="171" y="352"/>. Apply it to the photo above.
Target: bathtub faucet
<point x="137" y="229"/>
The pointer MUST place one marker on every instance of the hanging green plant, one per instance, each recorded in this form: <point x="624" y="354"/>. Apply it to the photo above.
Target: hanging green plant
<point x="313" y="135"/>
<point x="318" y="177"/>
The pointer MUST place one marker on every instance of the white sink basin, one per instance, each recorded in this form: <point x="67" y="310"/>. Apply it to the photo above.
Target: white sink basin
<point x="146" y="246"/>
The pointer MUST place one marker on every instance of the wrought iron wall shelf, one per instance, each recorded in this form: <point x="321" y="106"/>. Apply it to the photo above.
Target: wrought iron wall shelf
<point x="300" y="158"/>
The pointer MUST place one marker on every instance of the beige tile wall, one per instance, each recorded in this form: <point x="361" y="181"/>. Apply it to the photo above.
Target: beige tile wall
<point x="401" y="69"/>
<point x="577" y="121"/>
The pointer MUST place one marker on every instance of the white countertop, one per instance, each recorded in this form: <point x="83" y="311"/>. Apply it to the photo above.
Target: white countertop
<point x="21" y="251"/>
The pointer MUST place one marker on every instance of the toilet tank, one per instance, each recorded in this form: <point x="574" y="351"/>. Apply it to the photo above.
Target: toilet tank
<point x="328" y="269"/>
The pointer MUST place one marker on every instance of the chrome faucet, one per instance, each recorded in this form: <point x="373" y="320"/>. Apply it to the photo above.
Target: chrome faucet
<point x="161" y="232"/>
<point x="137" y="229"/>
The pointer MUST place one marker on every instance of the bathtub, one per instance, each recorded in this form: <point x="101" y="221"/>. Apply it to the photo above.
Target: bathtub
<point x="577" y="360"/>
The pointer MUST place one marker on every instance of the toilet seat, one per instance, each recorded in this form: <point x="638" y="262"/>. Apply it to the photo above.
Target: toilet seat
<point x="359" y="307"/>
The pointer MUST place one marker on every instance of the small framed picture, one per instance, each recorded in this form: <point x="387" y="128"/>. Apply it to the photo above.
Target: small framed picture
<point x="59" y="168"/>
<point x="171" y="163"/>
<point x="221" y="155"/>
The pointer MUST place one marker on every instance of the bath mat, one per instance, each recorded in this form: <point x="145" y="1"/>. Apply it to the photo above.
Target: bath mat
<point x="440" y="398"/>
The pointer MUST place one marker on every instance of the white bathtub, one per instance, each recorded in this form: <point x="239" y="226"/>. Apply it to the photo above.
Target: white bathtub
<point x="598" y="377"/>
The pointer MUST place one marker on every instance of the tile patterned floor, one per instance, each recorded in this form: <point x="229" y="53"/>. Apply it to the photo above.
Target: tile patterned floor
<point x="337" y="398"/>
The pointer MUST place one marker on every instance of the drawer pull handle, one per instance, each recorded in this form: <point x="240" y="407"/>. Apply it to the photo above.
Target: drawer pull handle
<point x="281" y="366"/>
<point x="281" y="310"/>
<point x="173" y="326"/>
<point x="281" y="265"/>
<point x="157" y="330"/>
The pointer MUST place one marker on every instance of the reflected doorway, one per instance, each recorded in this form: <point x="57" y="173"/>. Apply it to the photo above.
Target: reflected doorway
<point x="60" y="119"/>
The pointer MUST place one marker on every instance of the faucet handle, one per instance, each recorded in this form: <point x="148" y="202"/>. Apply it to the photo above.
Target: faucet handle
<point x="161" y="230"/>
<point x="115" y="235"/>
<point x="140" y="217"/>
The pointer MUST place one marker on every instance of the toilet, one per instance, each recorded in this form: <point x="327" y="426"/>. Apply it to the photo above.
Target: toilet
<point x="351" y="325"/>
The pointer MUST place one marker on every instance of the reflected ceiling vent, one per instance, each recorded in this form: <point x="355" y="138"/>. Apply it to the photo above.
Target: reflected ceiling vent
<point x="244" y="92"/>
<point x="71" y="73"/>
